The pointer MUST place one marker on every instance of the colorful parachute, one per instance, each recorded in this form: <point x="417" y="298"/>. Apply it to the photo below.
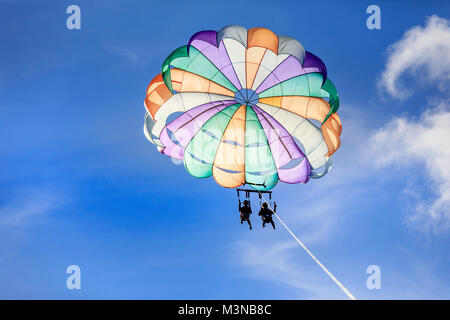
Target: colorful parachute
<point x="246" y="106"/>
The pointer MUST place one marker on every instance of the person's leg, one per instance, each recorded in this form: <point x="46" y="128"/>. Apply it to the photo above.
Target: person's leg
<point x="249" y="223"/>
<point x="273" y="224"/>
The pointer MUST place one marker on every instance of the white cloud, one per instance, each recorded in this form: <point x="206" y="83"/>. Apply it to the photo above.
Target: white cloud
<point x="284" y="263"/>
<point x="423" y="52"/>
<point x="422" y="146"/>
<point x="28" y="207"/>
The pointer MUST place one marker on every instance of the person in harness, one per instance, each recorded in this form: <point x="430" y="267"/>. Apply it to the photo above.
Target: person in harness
<point x="266" y="214"/>
<point x="245" y="212"/>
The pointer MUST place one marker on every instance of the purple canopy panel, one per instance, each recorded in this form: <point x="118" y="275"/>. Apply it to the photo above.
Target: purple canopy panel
<point x="297" y="174"/>
<point x="201" y="45"/>
<point x="208" y="36"/>
<point x="203" y="41"/>
<point x="186" y="126"/>
<point x="287" y="69"/>
<point x="171" y="149"/>
<point x="284" y="149"/>
<point x="314" y="64"/>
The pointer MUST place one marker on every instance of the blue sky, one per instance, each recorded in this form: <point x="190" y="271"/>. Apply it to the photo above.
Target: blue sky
<point x="81" y="185"/>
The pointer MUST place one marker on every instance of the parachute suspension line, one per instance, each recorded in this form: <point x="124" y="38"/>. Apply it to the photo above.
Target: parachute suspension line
<point x="260" y="196"/>
<point x="338" y="283"/>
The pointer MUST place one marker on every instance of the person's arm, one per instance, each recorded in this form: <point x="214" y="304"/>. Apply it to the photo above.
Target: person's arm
<point x="274" y="207"/>
<point x="260" y="212"/>
<point x="239" y="205"/>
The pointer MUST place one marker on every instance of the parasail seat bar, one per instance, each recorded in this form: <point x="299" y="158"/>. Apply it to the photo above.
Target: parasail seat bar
<point x="259" y="192"/>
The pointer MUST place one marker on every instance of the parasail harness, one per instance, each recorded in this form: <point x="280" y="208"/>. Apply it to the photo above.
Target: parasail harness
<point x="247" y="193"/>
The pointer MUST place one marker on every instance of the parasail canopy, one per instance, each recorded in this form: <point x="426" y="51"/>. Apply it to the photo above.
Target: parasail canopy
<point x="245" y="106"/>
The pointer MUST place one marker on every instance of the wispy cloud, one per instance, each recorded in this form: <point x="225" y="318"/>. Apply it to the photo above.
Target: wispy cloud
<point x="281" y="262"/>
<point x="28" y="207"/>
<point x="130" y="56"/>
<point x="420" y="146"/>
<point x="423" y="52"/>
<point x="134" y="56"/>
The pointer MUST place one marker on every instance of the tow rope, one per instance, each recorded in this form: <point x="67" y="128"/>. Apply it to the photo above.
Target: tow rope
<point x="338" y="283"/>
